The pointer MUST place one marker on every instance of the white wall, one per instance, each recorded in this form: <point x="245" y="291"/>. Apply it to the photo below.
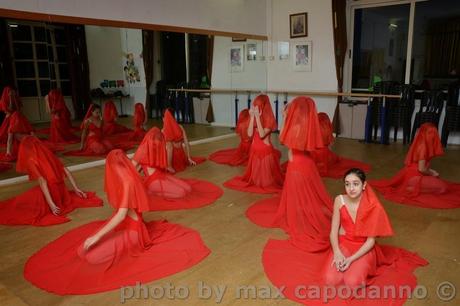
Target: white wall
<point x="239" y="16"/>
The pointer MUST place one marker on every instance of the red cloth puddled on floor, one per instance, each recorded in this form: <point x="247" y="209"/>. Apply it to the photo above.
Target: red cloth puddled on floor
<point x="94" y="142"/>
<point x="309" y="277"/>
<point x="177" y="145"/>
<point x="330" y="164"/>
<point x="61" y="130"/>
<point x="138" y="121"/>
<point x="34" y="206"/>
<point x="263" y="172"/>
<point x="111" y="127"/>
<point x="165" y="191"/>
<point x="122" y="251"/>
<point x="304" y="208"/>
<point x="237" y="156"/>
<point x="417" y="184"/>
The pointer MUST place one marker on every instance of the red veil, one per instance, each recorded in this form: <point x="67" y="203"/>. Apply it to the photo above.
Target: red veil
<point x="139" y="115"/>
<point x="7" y="94"/>
<point x="371" y="218"/>
<point x="35" y="159"/>
<point x="56" y="102"/>
<point x="243" y="123"/>
<point x="110" y="111"/>
<point x="425" y="146"/>
<point x="152" y="150"/>
<point x="267" y="117"/>
<point x="171" y="129"/>
<point x="88" y="114"/>
<point x="301" y="130"/>
<point x="326" y="129"/>
<point x="123" y="185"/>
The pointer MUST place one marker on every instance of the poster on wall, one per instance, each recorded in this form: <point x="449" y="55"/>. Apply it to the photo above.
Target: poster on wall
<point x="252" y="52"/>
<point x="302" y="56"/>
<point x="283" y="50"/>
<point x="131" y="70"/>
<point x="236" y="58"/>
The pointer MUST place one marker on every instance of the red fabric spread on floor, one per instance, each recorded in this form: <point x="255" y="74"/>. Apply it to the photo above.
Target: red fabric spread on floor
<point x="410" y="186"/>
<point x="61" y="130"/>
<point x="31" y="206"/>
<point x="240" y="155"/>
<point x="111" y="127"/>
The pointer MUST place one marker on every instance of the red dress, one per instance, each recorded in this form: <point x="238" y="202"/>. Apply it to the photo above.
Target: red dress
<point x="111" y="127"/>
<point x="138" y="120"/>
<point x="330" y="164"/>
<point x="237" y="156"/>
<point x="133" y="252"/>
<point x="31" y="206"/>
<point x="61" y="130"/>
<point x="410" y="186"/>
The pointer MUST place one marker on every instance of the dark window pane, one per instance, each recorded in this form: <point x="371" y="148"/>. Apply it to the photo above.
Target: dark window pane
<point x="40" y="34"/>
<point x="59" y="36"/>
<point x="53" y="85"/>
<point x="25" y="70"/>
<point x="45" y="87"/>
<point x="27" y="88"/>
<point x="62" y="54"/>
<point x="52" y="72"/>
<point x="23" y="51"/>
<point x="48" y="36"/>
<point x="20" y="32"/>
<point x="66" y="88"/>
<point x="50" y="52"/>
<point x="41" y="51"/>
<point x="43" y="70"/>
<point x="63" y="71"/>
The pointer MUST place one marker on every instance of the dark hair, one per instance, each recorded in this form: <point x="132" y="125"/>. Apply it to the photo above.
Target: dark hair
<point x="95" y="106"/>
<point x="358" y="172"/>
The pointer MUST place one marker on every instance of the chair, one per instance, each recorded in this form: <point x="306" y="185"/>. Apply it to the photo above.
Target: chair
<point x="431" y="106"/>
<point x="452" y="118"/>
<point x="400" y="113"/>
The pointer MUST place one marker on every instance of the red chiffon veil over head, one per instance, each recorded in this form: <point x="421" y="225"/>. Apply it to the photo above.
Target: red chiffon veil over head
<point x="243" y="123"/>
<point x="425" y="146"/>
<point x="171" y="129"/>
<point x="267" y="117"/>
<point x="152" y="150"/>
<point x="7" y="94"/>
<point x="110" y="111"/>
<point x="326" y="128"/>
<point x="123" y="185"/>
<point x="89" y="112"/>
<point x="301" y="129"/>
<point x="56" y="100"/>
<point x="139" y="114"/>
<point x="35" y="159"/>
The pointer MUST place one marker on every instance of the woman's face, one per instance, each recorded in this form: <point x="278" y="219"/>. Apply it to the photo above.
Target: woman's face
<point x="96" y="112"/>
<point x="354" y="186"/>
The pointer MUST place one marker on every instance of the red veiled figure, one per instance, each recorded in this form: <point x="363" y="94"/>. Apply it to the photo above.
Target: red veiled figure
<point x="61" y="126"/>
<point x="237" y="156"/>
<point x="15" y="123"/>
<point x="417" y="184"/>
<point x="304" y="208"/>
<point x="93" y="140"/>
<point x="263" y="172"/>
<point x="177" y="145"/>
<point x="139" y="121"/>
<point x="111" y="127"/>
<point x="48" y="203"/>
<point x="330" y="164"/>
<point x="356" y="268"/>
<point x="165" y="191"/>
<point x="122" y="251"/>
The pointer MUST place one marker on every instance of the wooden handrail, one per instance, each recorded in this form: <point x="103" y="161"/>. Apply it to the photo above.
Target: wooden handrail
<point x="295" y="93"/>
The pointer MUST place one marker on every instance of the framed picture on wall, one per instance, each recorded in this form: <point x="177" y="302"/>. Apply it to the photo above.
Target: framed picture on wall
<point x="283" y="50"/>
<point x="302" y="56"/>
<point x="236" y="58"/>
<point x="298" y="25"/>
<point x="251" y="52"/>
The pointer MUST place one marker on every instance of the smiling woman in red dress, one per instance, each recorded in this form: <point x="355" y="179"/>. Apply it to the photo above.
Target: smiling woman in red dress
<point x="122" y="251"/>
<point x="165" y="191"/>
<point x="263" y="172"/>
<point x="48" y="203"/>
<point x="417" y="183"/>
<point x="237" y="156"/>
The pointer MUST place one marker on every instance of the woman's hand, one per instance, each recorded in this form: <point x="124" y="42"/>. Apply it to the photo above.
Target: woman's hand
<point x="257" y="112"/>
<point x="54" y="209"/>
<point x="338" y="260"/>
<point x="90" y="242"/>
<point x="251" y="111"/>
<point x="346" y="264"/>
<point x="191" y="162"/>
<point x="434" y="173"/>
<point x="81" y="193"/>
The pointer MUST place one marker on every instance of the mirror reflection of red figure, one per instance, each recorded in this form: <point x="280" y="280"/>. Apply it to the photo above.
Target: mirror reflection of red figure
<point x="263" y="172"/>
<point x="61" y="124"/>
<point x="50" y="201"/>
<point x="121" y="251"/>
<point x="165" y="191"/>
<point x="240" y="155"/>
<point x="139" y="120"/>
<point x="110" y="116"/>
<point x="417" y="183"/>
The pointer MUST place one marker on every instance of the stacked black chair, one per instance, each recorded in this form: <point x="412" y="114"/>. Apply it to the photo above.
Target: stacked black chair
<point x="400" y="111"/>
<point x="452" y="118"/>
<point x="431" y="106"/>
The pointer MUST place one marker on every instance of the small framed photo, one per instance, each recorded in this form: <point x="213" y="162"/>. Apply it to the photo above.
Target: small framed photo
<point x="283" y="50"/>
<point x="238" y="39"/>
<point x="298" y="24"/>
<point x="236" y="58"/>
<point x="251" y="52"/>
<point x="302" y="56"/>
